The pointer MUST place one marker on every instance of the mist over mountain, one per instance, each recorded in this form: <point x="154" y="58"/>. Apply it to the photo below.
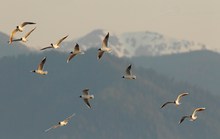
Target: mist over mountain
<point x="31" y="103"/>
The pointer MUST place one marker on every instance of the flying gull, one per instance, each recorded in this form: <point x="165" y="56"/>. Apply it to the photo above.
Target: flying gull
<point x="177" y="101"/>
<point x="192" y="117"/>
<point x="74" y="53"/>
<point x="56" y="45"/>
<point x="86" y="97"/>
<point x="104" y="47"/>
<point x="128" y="73"/>
<point x="23" y="39"/>
<point x="61" y="123"/>
<point x="40" y="67"/>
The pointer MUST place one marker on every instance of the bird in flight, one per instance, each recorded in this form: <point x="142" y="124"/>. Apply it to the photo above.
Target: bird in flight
<point x="128" y="73"/>
<point x="61" y="123"/>
<point x="193" y="116"/>
<point x="23" y="39"/>
<point x="40" y="68"/>
<point x="56" y="45"/>
<point x="74" y="53"/>
<point x="19" y="28"/>
<point x="177" y="101"/>
<point x="104" y="47"/>
<point x="86" y="97"/>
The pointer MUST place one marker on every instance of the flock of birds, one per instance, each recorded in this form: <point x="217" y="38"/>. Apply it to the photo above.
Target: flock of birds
<point x="85" y="93"/>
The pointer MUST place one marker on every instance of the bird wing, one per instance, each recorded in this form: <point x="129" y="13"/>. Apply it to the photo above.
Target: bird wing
<point x="71" y="56"/>
<point x="12" y="35"/>
<point x="29" y="33"/>
<point x="41" y="65"/>
<point x="76" y="48"/>
<point x="196" y="110"/>
<point x="85" y="92"/>
<point x="128" y="70"/>
<point x="27" y="23"/>
<point x="105" y="41"/>
<point x="53" y="127"/>
<point x="183" y="118"/>
<point x="87" y="102"/>
<point x="166" y="104"/>
<point x="100" y="53"/>
<point x="58" y="43"/>
<point x="68" y="118"/>
<point x="17" y="40"/>
<point x="46" y="47"/>
<point x="181" y="95"/>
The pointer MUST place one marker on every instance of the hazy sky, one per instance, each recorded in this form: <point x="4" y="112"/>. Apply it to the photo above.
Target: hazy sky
<point x="196" y="20"/>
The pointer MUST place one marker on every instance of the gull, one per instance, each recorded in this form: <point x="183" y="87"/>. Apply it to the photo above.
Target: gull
<point x="192" y="117"/>
<point x="23" y="39"/>
<point x="19" y="28"/>
<point x="75" y="52"/>
<point x="104" y="47"/>
<point x="40" y="67"/>
<point x="86" y="97"/>
<point x="55" y="46"/>
<point x="177" y="101"/>
<point x="61" y="123"/>
<point x="128" y="73"/>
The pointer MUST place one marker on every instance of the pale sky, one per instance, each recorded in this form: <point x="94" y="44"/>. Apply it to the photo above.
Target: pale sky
<point x="196" y="20"/>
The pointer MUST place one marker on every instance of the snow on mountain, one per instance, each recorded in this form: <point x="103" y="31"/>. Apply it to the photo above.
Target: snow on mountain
<point x="136" y="43"/>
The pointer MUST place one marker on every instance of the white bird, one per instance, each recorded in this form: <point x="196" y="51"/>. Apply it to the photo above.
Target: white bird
<point x="86" y="97"/>
<point x="61" y="123"/>
<point x="192" y="117"/>
<point x="75" y="52"/>
<point x="128" y="73"/>
<point x="177" y="101"/>
<point x="19" y="28"/>
<point x="56" y="45"/>
<point x="23" y="39"/>
<point x="40" y="67"/>
<point x="104" y="47"/>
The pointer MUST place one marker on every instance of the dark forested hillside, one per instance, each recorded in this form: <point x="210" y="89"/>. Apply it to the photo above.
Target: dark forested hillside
<point x="122" y="109"/>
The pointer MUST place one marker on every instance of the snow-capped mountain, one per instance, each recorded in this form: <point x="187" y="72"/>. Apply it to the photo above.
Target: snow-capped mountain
<point x="136" y="43"/>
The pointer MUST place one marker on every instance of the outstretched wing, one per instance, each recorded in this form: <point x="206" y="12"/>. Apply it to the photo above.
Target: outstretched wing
<point x="85" y="92"/>
<point x="27" y="23"/>
<point x="105" y="41"/>
<point x="29" y="33"/>
<point x="100" y="53"/>
<point x="196" y="110"/>
<point x="46" y="47"/>
<point x="183" y="118"/>
<point x="76" y="48"/>
<point x="180" y="96"/>
<point x="166" y="104"/>
<point x="41" y="65"/>
<point x="58" y="43"/>
<point x="87" y="102"/>
<point x="12" y="35"/>
<point x="128" y="70"/>
<point x="53" y="127"/>
<point x="70" y="56"/>
<point x="16" y="40"/>
<point x="68" y="118"/>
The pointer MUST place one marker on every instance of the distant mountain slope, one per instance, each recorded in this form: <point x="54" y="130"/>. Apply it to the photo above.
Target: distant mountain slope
<point x="123" y="109"/>
<point x="146" y="43"/>
<point x="200" y="68"/>
<point x="14" y="49"/>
